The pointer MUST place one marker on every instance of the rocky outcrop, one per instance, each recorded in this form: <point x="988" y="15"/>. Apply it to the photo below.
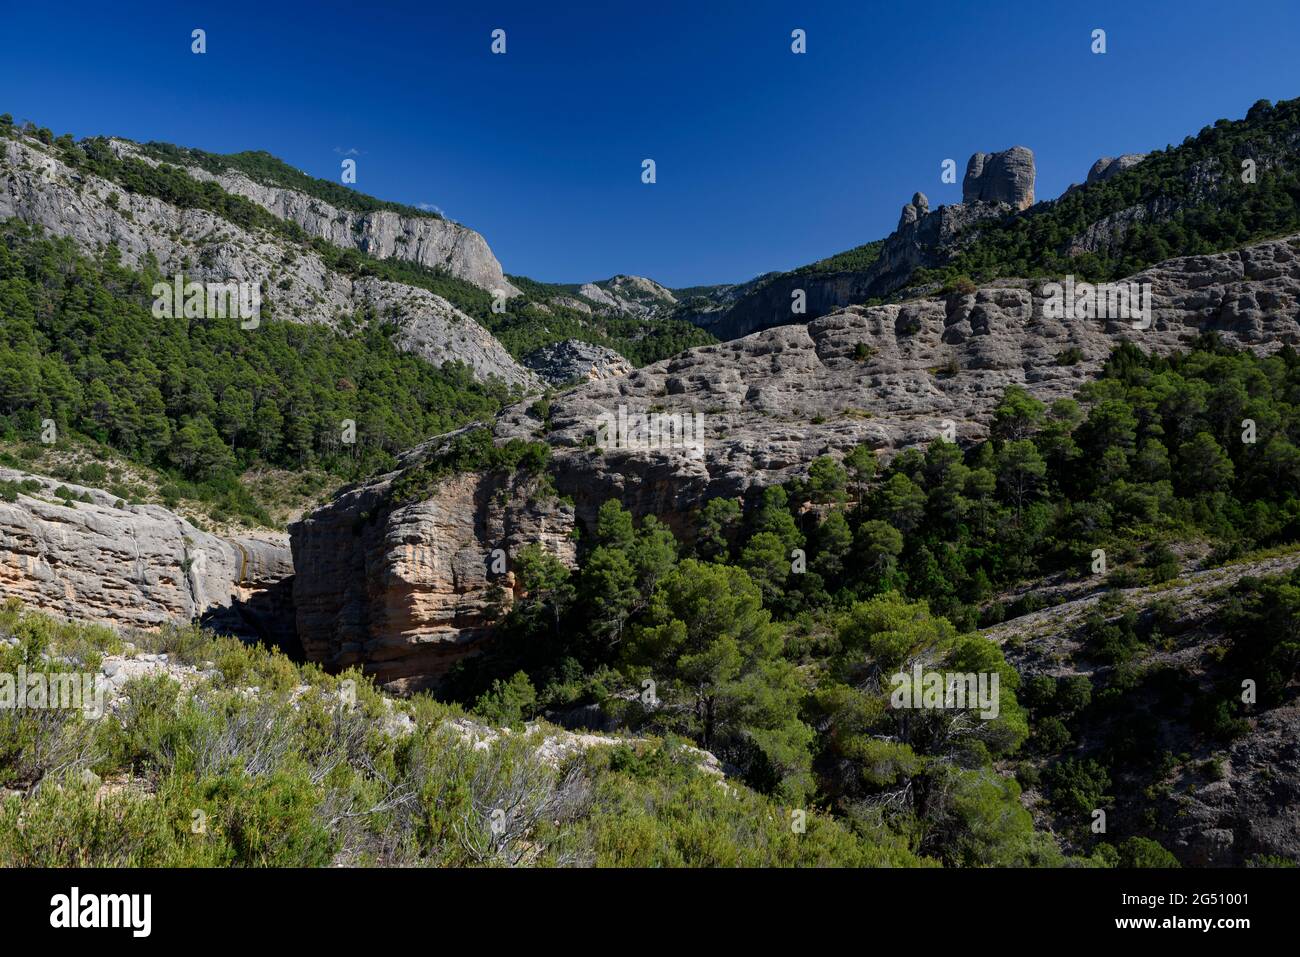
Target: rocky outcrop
<point x="427" y="240"/>
<point x="1006" y="177"/>
<point x="1109" y="166"/>
<point x="555" y="746"/>
<point x="433" y="329"/>
<point x="1250" y="810"/>
<point x="924" y="239"/>
<point x="95" y="558"/>
<point x="38" y="188"/>
<point x="405" y="590"/>
<point x="1220" y="804"/>
<point x="573" y="360"/>
<point x="918" y="207"/>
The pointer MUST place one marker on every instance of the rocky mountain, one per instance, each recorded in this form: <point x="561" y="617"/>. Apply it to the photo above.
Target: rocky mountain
<point x="630" y="295"/>
<point x="598" y="523"/>
<point x="892" y="375"/>
<point x="389" y="582"/>
<point x="38" y="186"/>
<point x="1133" y="211"/>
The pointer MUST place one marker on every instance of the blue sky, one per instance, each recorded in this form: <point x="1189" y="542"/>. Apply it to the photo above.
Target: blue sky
<point x="766" y="159"/>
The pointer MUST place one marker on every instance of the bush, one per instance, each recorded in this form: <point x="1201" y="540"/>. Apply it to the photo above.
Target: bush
<point x="1144" y="852"/>
<point x="1051" y="736"/>
<point x="1078" y="787"/>
<point x="508" y="703"/>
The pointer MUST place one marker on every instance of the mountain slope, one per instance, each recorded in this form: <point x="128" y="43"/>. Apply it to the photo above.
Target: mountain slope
<point x="1216" y="793"/>
<point x="338" y="215"/>
<point x="1234" y="183"/>
<point x="163" y="217"/>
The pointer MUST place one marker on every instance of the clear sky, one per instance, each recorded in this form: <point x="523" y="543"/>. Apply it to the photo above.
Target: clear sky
<point x="765" y="159"/>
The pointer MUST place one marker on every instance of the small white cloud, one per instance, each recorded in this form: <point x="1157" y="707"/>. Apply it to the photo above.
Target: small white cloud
<point x="350" y="151"/>
<point x="429" y="208"/>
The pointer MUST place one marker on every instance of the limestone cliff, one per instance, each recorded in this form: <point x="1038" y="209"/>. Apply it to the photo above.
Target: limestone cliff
<point x="405" y="589"/>
<point x="95" y="558"/>
<point x="430" y="241"/>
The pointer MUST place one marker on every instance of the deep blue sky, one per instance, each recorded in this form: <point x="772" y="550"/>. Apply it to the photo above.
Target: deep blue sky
<point x="766" y="160"/>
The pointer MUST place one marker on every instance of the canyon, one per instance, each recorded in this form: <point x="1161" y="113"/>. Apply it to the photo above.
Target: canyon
<point x="891" y="376"/>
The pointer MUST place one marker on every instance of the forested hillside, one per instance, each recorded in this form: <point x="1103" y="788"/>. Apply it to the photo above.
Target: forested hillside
<point x="783" y="670"/>
<point x="524" y="323"/>
<point x="203" y="399"/>
<point x="814" y="552"/>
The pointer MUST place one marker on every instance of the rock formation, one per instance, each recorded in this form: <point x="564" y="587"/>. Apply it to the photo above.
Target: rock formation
<point x="1108" y="166"/>
<point x="561" y="363"/>
<point x="918" y="207"/>
<point x="430" y="241"/>
<point x="405" y="589"/>
<point x="138" y="565"/>
<point x="996" y="184"/>
<point x="1006" y="177"/>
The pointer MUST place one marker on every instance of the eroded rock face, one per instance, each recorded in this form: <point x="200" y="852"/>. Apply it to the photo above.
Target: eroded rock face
<point x="561" y="363"/>
<point x="1250" y="811"/>
<point x="1108" y="166"/>
<point x="1006" y="177"/>
<point x="406" y="591"/>
<point x="139" y="566"/>
<point x="37" y="188"/>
